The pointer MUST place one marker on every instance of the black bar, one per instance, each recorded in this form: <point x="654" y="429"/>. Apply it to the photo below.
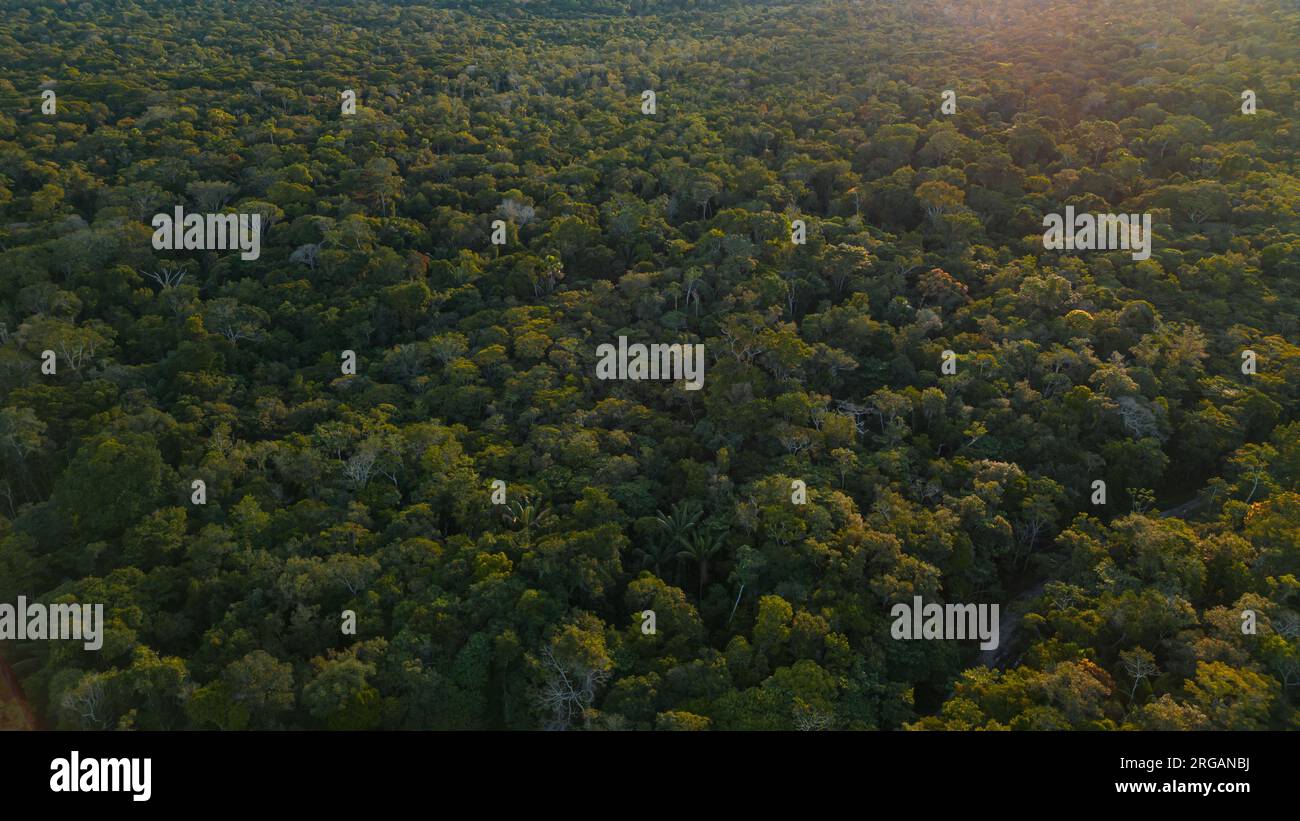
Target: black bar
<point x="330" y="771"/>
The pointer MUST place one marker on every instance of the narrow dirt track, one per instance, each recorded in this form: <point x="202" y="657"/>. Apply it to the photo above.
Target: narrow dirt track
<point x="11" y="691"/>
<point x="1009" y="615"/>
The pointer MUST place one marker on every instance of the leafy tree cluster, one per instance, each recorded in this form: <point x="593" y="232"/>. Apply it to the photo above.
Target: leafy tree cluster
<point x="371" y="492"/>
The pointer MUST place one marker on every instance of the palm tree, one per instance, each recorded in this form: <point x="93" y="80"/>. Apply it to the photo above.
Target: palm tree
<point x="657" y="554"/>
<point x="523" y="514"/>
<point x="678" y="523"/>
<point x="700" y="548"/>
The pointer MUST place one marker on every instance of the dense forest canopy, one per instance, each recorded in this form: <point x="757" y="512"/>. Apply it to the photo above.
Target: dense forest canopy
<point x="371" y="490"/>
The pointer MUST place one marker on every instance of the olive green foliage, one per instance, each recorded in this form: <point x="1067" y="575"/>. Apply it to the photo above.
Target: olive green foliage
<point x="330" y="492"/>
